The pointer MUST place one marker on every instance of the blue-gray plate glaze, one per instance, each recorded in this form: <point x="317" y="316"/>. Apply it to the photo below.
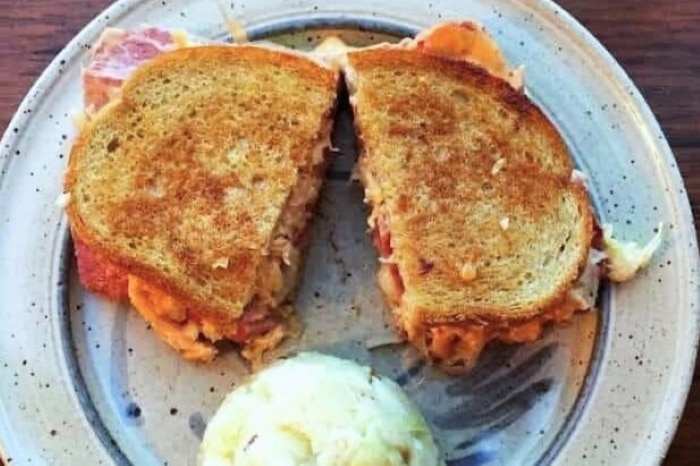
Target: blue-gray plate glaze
<point x="84" y="381"/>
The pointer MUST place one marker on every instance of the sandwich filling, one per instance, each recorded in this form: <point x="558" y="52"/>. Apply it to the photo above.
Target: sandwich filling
<point x="458" y="345"/>
<point x="267" y="318"/>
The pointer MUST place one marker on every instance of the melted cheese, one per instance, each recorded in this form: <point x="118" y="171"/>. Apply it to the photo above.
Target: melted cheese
<point x="169" y="321"/>
<point x="625" y="259"/>
<point x="457" y="346"/>
<point x="460" y="344"/>
<point x="465" y="41"/>
<point x="63" y="200"/>
<point x="181" y="39"/>
<point x="468" y="41"/>
<point x="276" y="278"/>
<point x="333" y="52"/>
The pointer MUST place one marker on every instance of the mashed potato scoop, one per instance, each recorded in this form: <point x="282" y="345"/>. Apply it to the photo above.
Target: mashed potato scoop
<point x="318" y="410"/>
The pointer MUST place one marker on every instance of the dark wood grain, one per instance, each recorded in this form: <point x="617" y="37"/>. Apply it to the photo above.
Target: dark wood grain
<point x="32" y="33"/>
<point x="658" y="43"/>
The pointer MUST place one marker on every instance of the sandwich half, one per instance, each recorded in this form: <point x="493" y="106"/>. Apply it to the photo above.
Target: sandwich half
<point x="191" y="183"/>
<point x="484" y="227"/>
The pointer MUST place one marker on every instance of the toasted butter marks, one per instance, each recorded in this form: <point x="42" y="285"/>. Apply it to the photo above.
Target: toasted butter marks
<point x="498" y="166"/>
<point x="504" y="223"/>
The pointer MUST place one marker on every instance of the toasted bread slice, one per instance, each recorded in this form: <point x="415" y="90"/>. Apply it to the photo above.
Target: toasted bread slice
<point x="206" y="159"/>
<point x="471" y="191"/>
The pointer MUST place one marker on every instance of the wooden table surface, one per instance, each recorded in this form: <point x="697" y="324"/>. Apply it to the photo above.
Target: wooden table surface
<point x="656" y="42"/>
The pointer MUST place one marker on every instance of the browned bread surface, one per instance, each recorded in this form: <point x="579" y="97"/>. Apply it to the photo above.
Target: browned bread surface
<point x="485" y="222"/>
<point x="183" y="178"/>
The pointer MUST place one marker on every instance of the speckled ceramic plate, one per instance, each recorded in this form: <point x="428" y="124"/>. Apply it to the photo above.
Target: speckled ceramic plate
<point x="83" y="381"/>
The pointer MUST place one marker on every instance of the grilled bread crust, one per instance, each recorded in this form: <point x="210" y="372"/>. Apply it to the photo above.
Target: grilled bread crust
<point x="183" y="177"/>
<point x="475" y="184"/>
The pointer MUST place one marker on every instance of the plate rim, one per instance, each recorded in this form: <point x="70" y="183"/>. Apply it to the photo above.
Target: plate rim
<point x="682" y="370"/>
<point x="677" y="403"/>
